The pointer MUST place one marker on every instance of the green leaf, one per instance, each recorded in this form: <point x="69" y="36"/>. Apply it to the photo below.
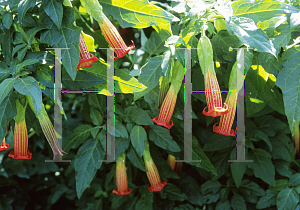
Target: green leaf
<point x="162" y="138"/>
<point x="121" y="144"/>
<point x="238" y="202"/>
<point x="7" y="20"/>
<point x="262" y="165"/>
<point x="238" y="169"/>
<point x="56" y="193"/>
<point x="223" y="205"/>
<point x="149" y="76"/>
<point x="294" y="180"/>
<point x="126" y="83"/>
<point x="258" y="135"/>
<point x="29" y="86"/>
<point x="6" y="86"/>
<point x="280" y="184"/>
<point x="78" y="136"/>
<point x="86" y="164"/>
<point x="246" y="30"/>
<point x="135" y="159"/>
<point x="260" y="11"/>
<point x="222" y="41"/>
<point x="120" y="130"/>
<point x="96" y="116"/>
<point x="66" y="37"/>
<point x="7" y="112"/>
<point x="154" y="45"/>
<point x="171" y="192"/>
<point x="288" y="80"/>
<point x="218" y="142"/>
<point x="54" y="10"/>
<point x="23" y="7"/>
<point x="4" y="73"/>
<point x="268" y="200"/>
<point x="27" y="62"/>
<point x="137" y="14"/>
<point x="146" y="200"/>
<point x="283" y="148"/>
<point x="269" y="124"/>
<point x="251" y="191"/>
<point x="283" y="168"/>
<point x="210" y="186"/>
<point x="138" y="137"/>
<point x="295" y="20"/>
<point x="287" y="199"/>
<point x="137" y="115"/>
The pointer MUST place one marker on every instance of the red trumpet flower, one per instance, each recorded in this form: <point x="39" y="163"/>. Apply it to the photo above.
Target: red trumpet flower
<point x="213" y="96"/>
<point x="114" y="38"/>
<point x="86" y="59"/>
<point x="152" y="172"/>
<point x="121" y="177"/>
<point x="3" y="145"/>
<point x="227" y="119"/>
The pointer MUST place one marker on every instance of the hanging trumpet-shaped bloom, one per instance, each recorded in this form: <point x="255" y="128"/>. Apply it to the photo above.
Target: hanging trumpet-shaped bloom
<point x="3" y="145"/>
<point x="213" y="96"/>
<point x="20" y="135"/>
<point x="109" y="31"/>
<point x="113" y="38"/>
<point x="86" y="59"/>
<point x="168" y="105"/>
<point x="167" y="109"/>
<point x="121" y="177"/>
<point x="171" y="161"/>
<point x="48" y="129"/>
<point x="164" y="86"/>
<point x="227" y="119"/>
<point x="152" y="172"/>
<point x="296" y="136"/>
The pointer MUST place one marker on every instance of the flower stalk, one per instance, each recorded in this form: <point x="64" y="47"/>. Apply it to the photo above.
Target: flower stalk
<point x="121" y="177"/>
<point x="152" y="172"/>
<point x="20" y="135"/>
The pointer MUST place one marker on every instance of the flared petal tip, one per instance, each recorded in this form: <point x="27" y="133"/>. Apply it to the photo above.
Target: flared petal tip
<point x="125" y="52"/>
<point x="21" y="157"/>
<point x="128" y="191"/>
<point x="86" y="62"/>
<point x="2" y="147"/>
<point x="157" y="188"/>
<point x="216" y="129"/>
<point x="216" y="112"/>
<point x="164" y="124"/>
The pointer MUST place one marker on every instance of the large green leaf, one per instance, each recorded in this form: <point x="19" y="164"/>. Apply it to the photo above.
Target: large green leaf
<point x="136" y="13"/>
<point x="238" y="202"/>
<point x="261" y="10"/>
<point x="4" y="73"/>
<point x="137" y="115"/>
<point x="246" y="30"/>
<point x="283" y="148"/>
<point x="154" y="45"/>
<point x="287" y="199"/>
<point x="251" y="191"/>
<point x="173" y="193"/>
<point x="65" y="37"/>
<point x="121" y="144"/>
<point x="218" y="142"/>
<point x="138" y="137"/>
<point x="23" y="7"/>
<point x="289" y="82"/>
<point x="8" y="111"/>
<point x="6" y="86"/>
<point x="238" y="169"/>
<point x="54" y="10"/>
<point x="135" y="159"/>
<point x="295" y="180"/>
<point x="262" y="165"/>
<point x="149" y="76"/>
<point x="78" y="136"/>
<point x="126" y="83"/>
<point x="162" y="138"/>
<point x="29" y="86"/>
<point x="268" y="200"/>
<point x="86" y="164"/>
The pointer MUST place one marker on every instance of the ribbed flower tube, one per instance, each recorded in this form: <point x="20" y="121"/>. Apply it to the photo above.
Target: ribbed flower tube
<point x="20" y="135"/>
<point x="296" y="136"/>
<point x="167" y="109"/>
<point x="121" y="177"/>
<point x="164" y="86"/>
<point x="48" y="129"/>
<point x="86" y="58"/>
<point x="213" y="96"/>
<point x="226" y="121"/>
<point x="113" y="38"/>
<point x="152" y="172"/>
